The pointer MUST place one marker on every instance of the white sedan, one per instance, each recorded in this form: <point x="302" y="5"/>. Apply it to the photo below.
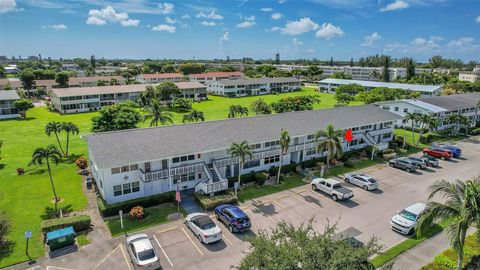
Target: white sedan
<point x="142" y="253"/>
<point x="362" y="180"/>
<point x="203" y="227"/>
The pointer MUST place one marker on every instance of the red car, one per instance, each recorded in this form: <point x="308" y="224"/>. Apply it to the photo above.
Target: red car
<point x="438" y="152"/>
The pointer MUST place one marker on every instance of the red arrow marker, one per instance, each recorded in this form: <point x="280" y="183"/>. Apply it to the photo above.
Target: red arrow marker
<point x="348" y="135"/>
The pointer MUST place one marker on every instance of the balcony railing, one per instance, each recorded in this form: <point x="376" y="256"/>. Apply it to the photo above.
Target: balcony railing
<point x="209" y="188"/>
<point x="159" y="174"/>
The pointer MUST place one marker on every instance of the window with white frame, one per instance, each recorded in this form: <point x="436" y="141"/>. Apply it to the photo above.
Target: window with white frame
<point x="127" y="188"/>
<point x="251" y="164"/>
<point x="310" y="152"/>
<point x="115" y="170"/>
<point x="271" y="159"/>
<point x="117" y="190"/>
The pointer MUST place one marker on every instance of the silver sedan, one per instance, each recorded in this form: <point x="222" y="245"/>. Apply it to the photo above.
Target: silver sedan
<point x="362" y="180"/>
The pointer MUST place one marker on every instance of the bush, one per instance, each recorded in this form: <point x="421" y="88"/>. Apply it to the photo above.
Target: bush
<point x="4" y="229"/>
<point x="81" y="163"/>
<point x="79" y="223"/>
<point x="137" y="212"/>
<point x="444" y="132"/>
<point x="108" y="210"/>
<point x="427" y="137"/>
<point x="20" y="171"/>
<point x="246" y="178"/>
<point x="389" y="156"/>
<point x="388" y="151"/>
<point x="260" y="178"/>
<point x="348" y="164"/>
<point x="475" y="131"/>
<point x="209" y="203"/>
<point x="401" y="151"/>
<point x="288" y="168"/>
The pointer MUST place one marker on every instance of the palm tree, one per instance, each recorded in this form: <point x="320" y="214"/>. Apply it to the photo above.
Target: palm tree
<point x="237" y="110"/>
<point x="49" y="154"/>
<point x="69" y="127"/>
<point x="413" y="118"/>
<point x="193" y="116"/>
<point x="426" y="121"/>
<point x="330" y="139"/>
<point x="157" y="114"/>
<point x="232" y="111"/>
<point x="284" y="144"/>
<point x="464" y="122"/>
<point x="54" y="127"/>
<point x="453" y="119"/>
<point x="460" y="206"/>
<point x="241" y="151"/>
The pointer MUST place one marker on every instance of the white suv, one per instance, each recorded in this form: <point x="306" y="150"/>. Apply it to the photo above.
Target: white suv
<point x="405" y="222"/>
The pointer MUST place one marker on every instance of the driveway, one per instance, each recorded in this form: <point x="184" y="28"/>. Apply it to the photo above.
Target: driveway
<point x="366" y="215"/>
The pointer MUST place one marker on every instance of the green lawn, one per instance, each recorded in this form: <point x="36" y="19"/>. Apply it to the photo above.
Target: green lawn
<point x="156" y="215"/>
<point x="340" y="170"/>
<point x="255" y="191"/>
<point x="25" y="198"/>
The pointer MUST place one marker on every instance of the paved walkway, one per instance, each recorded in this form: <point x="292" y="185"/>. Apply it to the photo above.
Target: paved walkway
<point x="190" y="205"/>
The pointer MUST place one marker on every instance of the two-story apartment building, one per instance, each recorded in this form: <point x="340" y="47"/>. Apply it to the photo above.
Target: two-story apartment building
<point x="82" y="99"/>
<point x="81" y="81"/>
<point x="251" y="87"/>
<point x="141" y="162"/>
<point x="330" y="84"/>
<point x="215" y="76"/>
<point x="161" y="77"/>
<point x="10" y="84"/>
<point x="7" y="98"/>
<point x="440" y="107"/>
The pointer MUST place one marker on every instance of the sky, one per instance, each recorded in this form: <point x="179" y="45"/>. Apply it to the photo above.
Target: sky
<point x="207" y="29"/>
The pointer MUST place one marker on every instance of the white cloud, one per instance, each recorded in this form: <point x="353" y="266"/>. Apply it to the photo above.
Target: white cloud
<point x="208" y="23"/>
<point x="419" y="41"/>
<point x="225" y="37"/>
<point x="266" y="9"/>
<point x="370" y="39"/>
<point x="464" y="44"/>
<point x="396" y="5"/>
<point x="170" y="20"/>
<point x="212" y="15"/>
<point x="165" y="8"/>
<point x="246" y="24"/>
<point x="273" y="29"/>
<point x="59" y="26"/>
<point x="249" y="18"/>
<point x="282" y="1"/>
<point x="417" y="45"/>
<point x="436" y="38"/>
<point x="165" y="28"/>
<point x="310" y="50"/>
<point x="296" y="43"/>
<point x="299" y="27"/>
<point x="477" y="19"/>
<point x="130" y="23"/>
<point x="276" y="16"/>
<point x="7" y="6"/>
<point x="328" y="31"/>
<point x="109" y="14"/>
<point x="186" y="16"/>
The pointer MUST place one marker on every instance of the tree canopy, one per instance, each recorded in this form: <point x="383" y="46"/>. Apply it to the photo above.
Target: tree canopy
<point x="297" y="103"/>
<point x="116" y="117"/>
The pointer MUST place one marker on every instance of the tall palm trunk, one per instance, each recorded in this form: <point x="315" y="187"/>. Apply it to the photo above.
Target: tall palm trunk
<point x="413" y="134"/>
<point x="279" y="168"/>
<point x="460" y="249"/>
<point x="68" y="140"/>
<point x="239" y="173"/>
<point x="59" y="144"/>
<point x="328" y="158"/>
<point x="53" y="186"/>
<point x="404" y="136"/>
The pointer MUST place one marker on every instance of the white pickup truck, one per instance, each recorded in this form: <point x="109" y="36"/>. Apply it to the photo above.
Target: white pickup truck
<point x="332" y="188"/>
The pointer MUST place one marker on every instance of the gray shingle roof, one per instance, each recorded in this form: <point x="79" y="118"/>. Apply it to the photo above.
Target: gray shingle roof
<point x="8" y="95"/>
<point x="454" y="102"/>
<point x="257" y="81"/>
<point x="113" y="149"/>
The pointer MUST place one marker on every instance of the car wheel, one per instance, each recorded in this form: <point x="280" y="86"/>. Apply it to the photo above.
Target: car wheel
<point x="411" y="232"/>
<point x="230" y="228"/>
<point x="200" y="238"/>
<point x="314" y="188"/>
<point x="408" y="170"/>
<point x="419" y="167"/>
<point x="335" y="198"/>
<point x="391" y="165"/>
<point x="347" y="180"/>
<point x="442" y="158"/>
<point x="217" y="216"/>
<point x="365" y="188"/>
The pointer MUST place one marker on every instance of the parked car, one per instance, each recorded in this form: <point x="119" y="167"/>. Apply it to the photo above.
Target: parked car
<point x="362" y="180"/>
<point x="456" y="151"/>
<point x="421" y="163"/>
<point x="332" y="188"/>
<point x="203" y="227"/>
<point x="142" y="253"/>
<point x="431" y="161"/>
<point x="403" y="163"/>
<point x="405" y="222"/>
<point x="233" y="217"/>
<point x="438" y="153"/>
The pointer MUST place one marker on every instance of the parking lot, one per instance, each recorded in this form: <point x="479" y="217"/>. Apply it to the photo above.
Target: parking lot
<point x="365" y="215"/>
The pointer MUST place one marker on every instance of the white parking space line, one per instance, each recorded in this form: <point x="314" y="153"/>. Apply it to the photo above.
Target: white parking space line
<point x="125" y="257"/>
<point x="228" y="240"/>
<point x="108" y="255"/>
<point x="56" y="267"/>
<point x="198" y="249"/>
<point x="302" y="199"/>
<point x="286" y="208"/>
<point x="168" y="229"/>
<point x="265" y="214"/>
<point x="164" y="253"/>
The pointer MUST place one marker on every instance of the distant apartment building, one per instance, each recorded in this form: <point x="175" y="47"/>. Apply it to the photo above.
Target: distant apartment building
<point x="70" y="67"/>
<point x="330" y="84"/>
<point x="252" y="87"/>
<point x="440" y="107"/>
<point x="83" y="99"/>
<point x="108" y="69"/>
<point x="7" y="98"/>
<point x="136" y="163"/>
<point x="80" y="81"/>
<point x="10" y="84"/>
<point x="468" y="76"/>
<point x="160" y="77"/>
<point x="11" y="69"/>
<point x="214" y="76"/>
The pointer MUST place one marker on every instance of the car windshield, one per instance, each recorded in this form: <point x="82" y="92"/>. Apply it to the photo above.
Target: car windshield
<point x="206" y="226"/>
<point x="371" y="180"/>
<point x="337" y="186"/>
<point x="408" y="215"/>
<point x="146" y="255"/>
<point x="242" y="219"/>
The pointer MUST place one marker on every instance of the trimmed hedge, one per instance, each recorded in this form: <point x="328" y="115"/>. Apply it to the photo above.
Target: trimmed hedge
<point x="444" y="132"/>
<point x="427" y="137"/>
<point x="79" y="223"/>
<point x="209" y="203"/>
<point x="475" y="131"/>
<point x="108" y="210"/>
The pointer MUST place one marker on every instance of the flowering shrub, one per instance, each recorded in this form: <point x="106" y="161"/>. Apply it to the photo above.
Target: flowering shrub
<point x="81" y="163"/>
<point x="137" y="212"/>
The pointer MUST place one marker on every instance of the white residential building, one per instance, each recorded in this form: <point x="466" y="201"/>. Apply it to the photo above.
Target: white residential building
<point x="214" y="76"/>
<point x="330" y="84"/>
<point x="440" y="107"/>
<point x="470" y="76"/>
<point x="7" y="98"/>
<point x="251" y="87"/>
<point x="161" y="77"/>
<point x="81" y="81"/>
<point x="10" y="84"/>
<point x="11" y="69"/>
<point x="141" y="162"/>
<point x="83" y="99"/>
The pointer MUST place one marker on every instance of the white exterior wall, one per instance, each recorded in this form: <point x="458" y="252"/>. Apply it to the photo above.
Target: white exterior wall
<point x="249" y="90"/>
<point x="7" y="111"/>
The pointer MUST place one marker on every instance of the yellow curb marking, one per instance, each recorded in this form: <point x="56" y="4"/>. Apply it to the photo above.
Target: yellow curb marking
<point x="228" y="240"/>
<point x="284" y="207"/>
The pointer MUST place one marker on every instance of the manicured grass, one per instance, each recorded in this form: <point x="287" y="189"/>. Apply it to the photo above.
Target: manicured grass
<point x="415" y="149"/>
<point x="156" y="215"/>
<point x="405" y="245"/>
<point x="82" y="240"/>
<point x="361" y="164"/>
<point x="255" y="191"/>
